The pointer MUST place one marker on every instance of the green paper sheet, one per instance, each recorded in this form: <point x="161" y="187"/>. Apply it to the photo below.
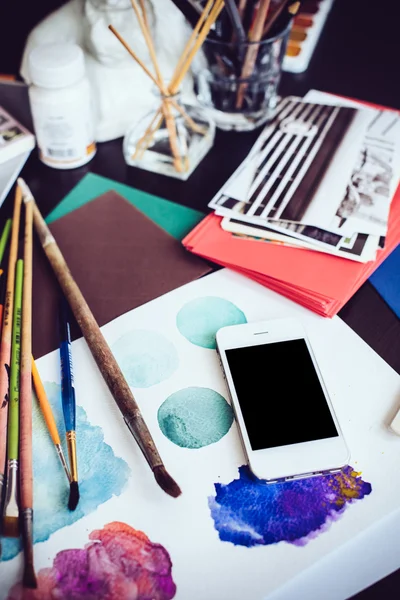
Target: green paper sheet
<point x="177" y="220"/>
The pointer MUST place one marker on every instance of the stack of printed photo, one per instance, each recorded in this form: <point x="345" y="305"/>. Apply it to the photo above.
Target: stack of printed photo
<point x="315" y="206"/>
<point x="321" y="176"/>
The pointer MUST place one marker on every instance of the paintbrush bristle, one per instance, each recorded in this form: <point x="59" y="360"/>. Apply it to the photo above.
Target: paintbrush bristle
<point x="10" y="527"/>
<point x="166" y="482"/>
<point x="73" y="495"/>
<point x="29" y="578"/>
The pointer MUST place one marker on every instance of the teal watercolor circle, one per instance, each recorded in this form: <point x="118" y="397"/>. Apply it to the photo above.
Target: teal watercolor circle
<point x="195" y="417"/>
<point x="199" y="320"/>
<point x="145" y="357"/>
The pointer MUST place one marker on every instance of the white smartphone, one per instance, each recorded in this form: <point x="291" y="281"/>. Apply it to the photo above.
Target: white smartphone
<point x="285" y="418"/>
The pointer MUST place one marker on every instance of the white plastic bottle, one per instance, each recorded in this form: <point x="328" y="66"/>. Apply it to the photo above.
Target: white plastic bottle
<point x="61" y="106"/>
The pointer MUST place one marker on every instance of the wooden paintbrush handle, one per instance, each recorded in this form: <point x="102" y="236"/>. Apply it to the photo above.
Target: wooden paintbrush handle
<point x="98" y="346"/>
<point x="44" y="404"/>
<point x="172" y="133"/>
<point x="255" y="35"/>
<point x="192" y="39"/>
<point x="25" y="399"/>
<point x="208" y="23"/>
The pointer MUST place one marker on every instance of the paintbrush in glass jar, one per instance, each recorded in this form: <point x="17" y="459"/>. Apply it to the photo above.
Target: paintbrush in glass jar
<point x="101" y="352"/>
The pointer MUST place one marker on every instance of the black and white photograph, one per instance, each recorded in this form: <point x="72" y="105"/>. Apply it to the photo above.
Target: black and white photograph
<point x="301" y="160"/>
<point x="367" y="201"/>
<point x="366" y="204"/>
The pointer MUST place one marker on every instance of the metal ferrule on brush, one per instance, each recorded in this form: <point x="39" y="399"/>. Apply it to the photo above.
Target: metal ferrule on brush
<point x="11" y="502"/>
<point x="63" y="461"/>
<point x="27" y="528"/>
<point x="29" y="577"/>
<point x="138" y="429"/>
<point x="73" y="463"/>
<point x="11" y="508"/>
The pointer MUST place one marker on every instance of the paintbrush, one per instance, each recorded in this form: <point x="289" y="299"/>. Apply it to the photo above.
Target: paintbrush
<point x="48" y="416"/>
<point x="291" y="9"/>
<point x="2" y="300"/>
<point x="273" y="16"/>
<point x="68" y="403"/>
<point x="166" y="109"/>
<point x="25" y="407"/>
<point x="236" y="21"/>
<point x="249" y="14"/>
<point x="203" y="26"/>
<point x="255" y="35"/>
<point x="3" y="280"/>
<point x="206" y="21"/>
<point x="5" y="346"/>
<point x="242" y="8"/>
<point x="101" y="352"/>
<point x="11" y="508"/>
<point x="4" y="238"/>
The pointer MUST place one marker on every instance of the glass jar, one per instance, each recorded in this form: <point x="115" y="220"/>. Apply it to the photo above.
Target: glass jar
<point x="237" y="100"/>
<point x="171" y="139"/>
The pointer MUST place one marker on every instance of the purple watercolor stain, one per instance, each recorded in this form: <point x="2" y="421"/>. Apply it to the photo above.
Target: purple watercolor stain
<point x="120" y="562"/>
<point x="249" y="512"/>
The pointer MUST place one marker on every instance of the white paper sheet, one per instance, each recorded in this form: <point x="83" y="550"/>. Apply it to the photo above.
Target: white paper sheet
<point x="365" y="392"/>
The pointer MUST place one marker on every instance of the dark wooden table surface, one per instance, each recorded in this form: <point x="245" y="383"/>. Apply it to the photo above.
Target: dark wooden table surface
<point x="357" y="56"/>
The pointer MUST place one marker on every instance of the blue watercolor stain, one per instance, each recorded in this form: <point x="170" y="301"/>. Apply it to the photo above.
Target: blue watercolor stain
<point x="195" y="417"/>
<point x="199" y="320"/>
<point x="145" y="357"/>
<point x="102" y="475"/>
<point x="249" y="512"/>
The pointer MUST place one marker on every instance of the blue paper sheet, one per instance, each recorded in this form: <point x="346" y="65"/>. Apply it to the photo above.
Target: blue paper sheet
<point x="386" y="280"/>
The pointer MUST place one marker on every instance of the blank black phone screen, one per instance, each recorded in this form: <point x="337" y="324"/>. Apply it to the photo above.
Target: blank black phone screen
<point x="280" y="395"/>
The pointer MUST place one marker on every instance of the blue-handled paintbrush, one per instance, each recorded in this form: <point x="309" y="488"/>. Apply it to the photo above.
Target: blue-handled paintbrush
<point x="68" y="403"/>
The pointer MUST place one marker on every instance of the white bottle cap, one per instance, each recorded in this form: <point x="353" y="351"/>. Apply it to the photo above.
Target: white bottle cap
<point x="56" y="65"/>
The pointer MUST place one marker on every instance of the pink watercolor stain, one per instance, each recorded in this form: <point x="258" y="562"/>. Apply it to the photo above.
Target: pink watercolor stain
<point x="119" y="563"/>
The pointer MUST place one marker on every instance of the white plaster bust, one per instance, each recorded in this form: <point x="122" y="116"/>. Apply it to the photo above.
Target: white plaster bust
<point x="122" y="93"/>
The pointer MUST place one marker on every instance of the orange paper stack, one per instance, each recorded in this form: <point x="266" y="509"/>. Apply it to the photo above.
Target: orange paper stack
<point x="318" y="281"/>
